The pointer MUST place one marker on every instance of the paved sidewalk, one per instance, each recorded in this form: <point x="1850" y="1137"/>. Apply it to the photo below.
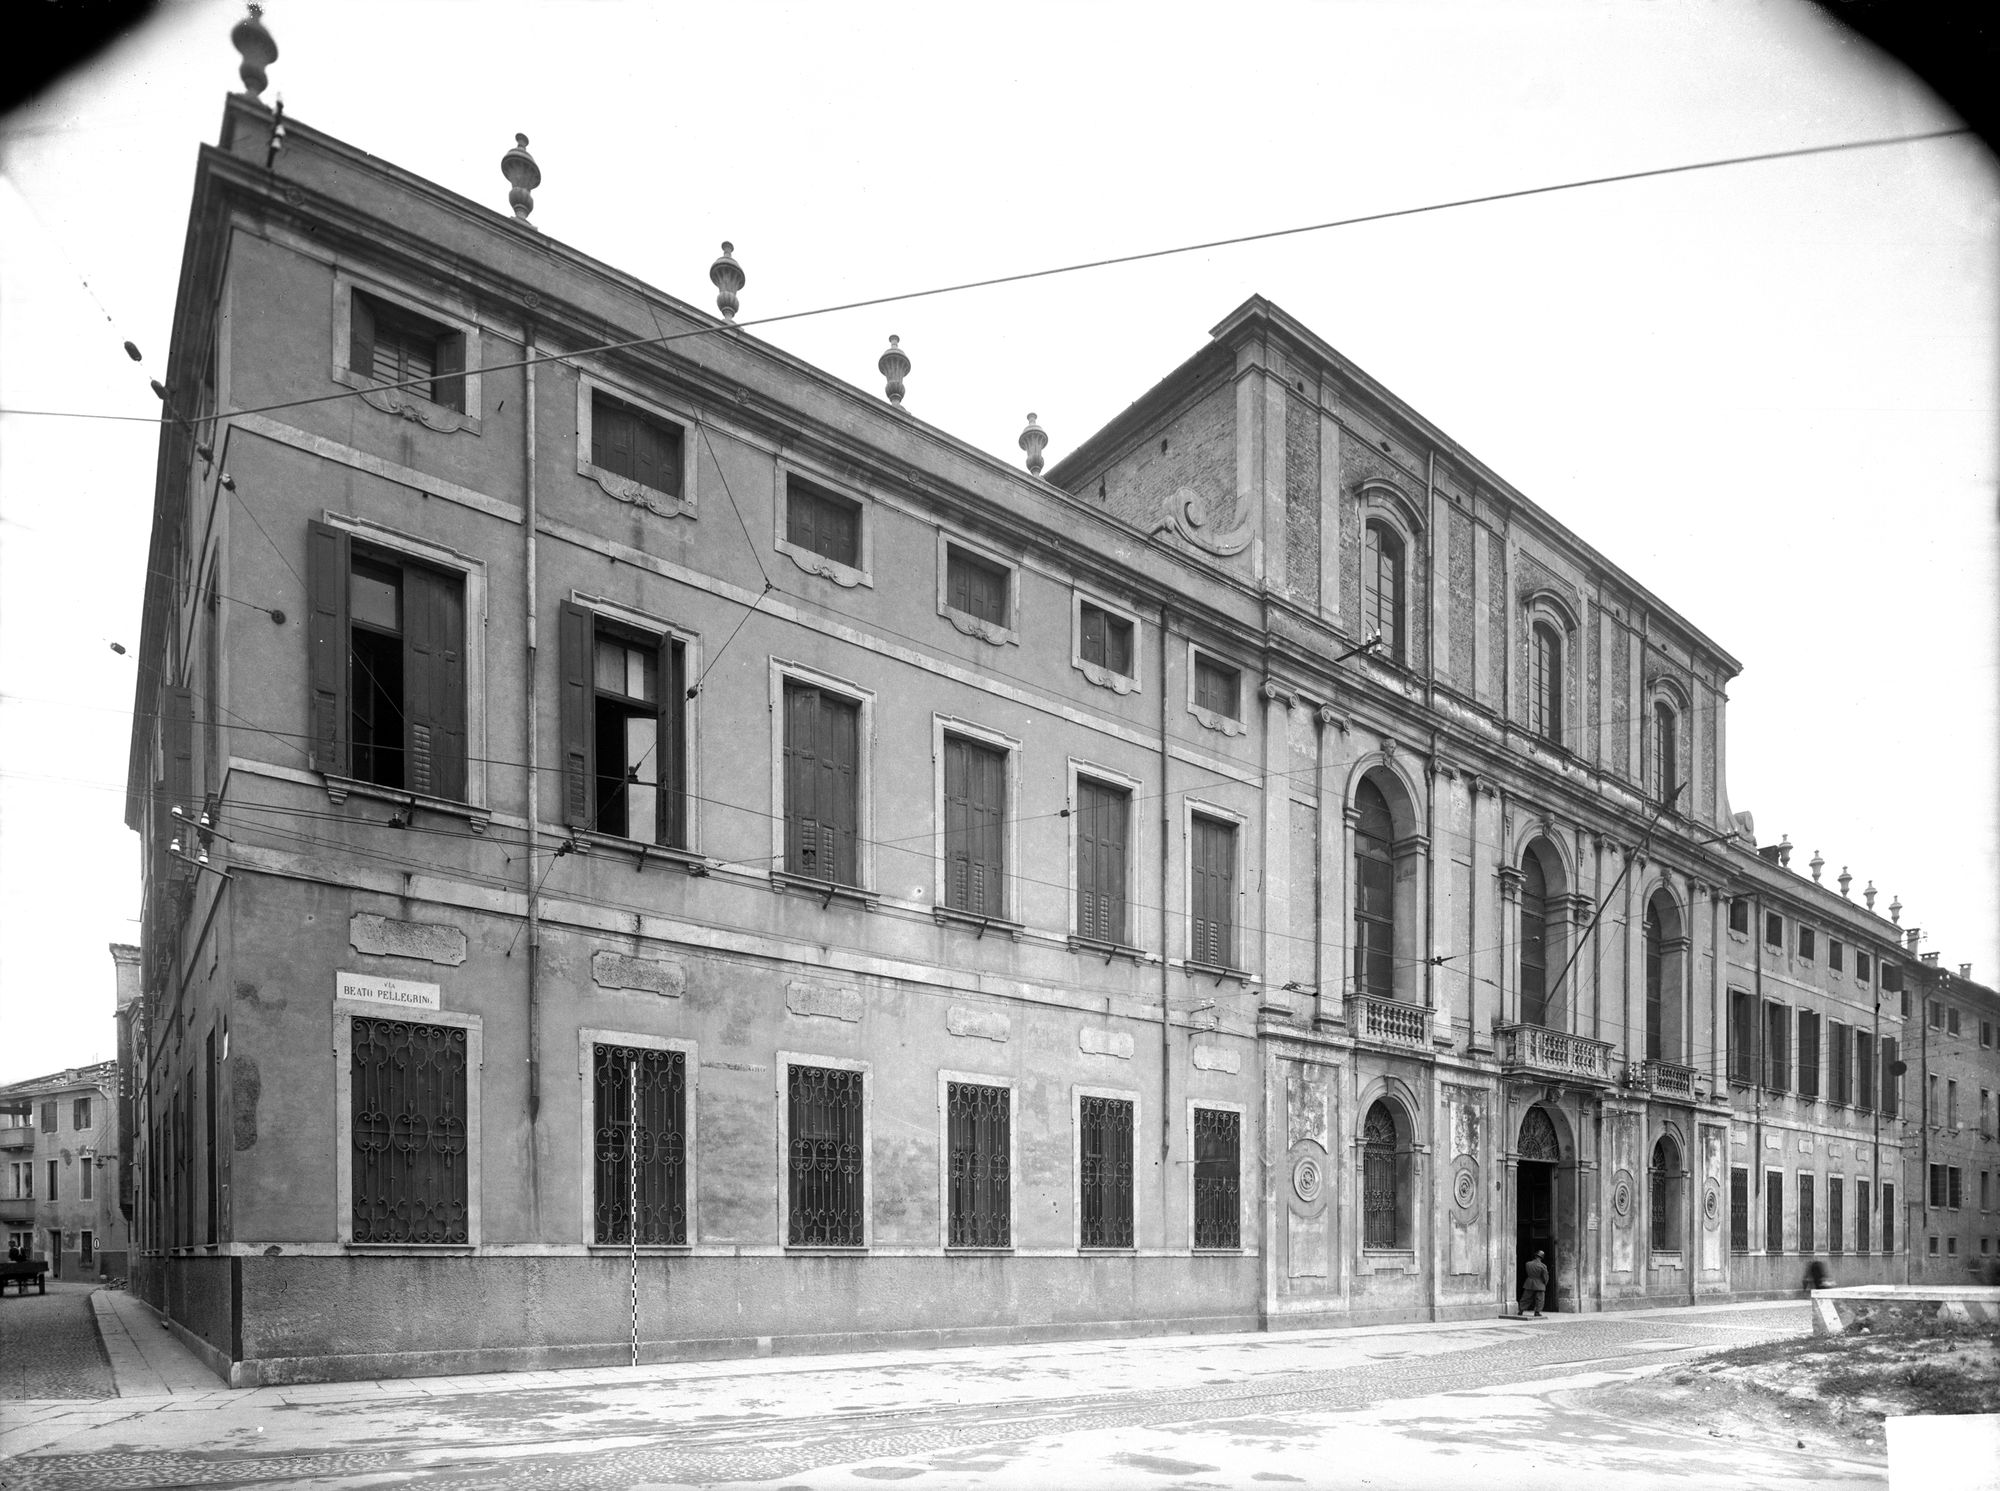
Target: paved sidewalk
<point x="147" y="1358"/>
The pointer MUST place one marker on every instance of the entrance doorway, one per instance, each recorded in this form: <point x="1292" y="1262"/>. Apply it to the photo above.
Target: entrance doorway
<point x="55" y="1252"/>
<point x="1535" y="1224"/>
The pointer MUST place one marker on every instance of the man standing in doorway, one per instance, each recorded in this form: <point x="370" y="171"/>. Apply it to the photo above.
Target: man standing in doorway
<point x="1533" y="1286"/>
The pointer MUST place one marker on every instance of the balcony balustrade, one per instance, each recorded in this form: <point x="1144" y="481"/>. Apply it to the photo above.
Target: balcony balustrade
<point x="1387" y="1023"/>
<point x="17" y="1136"/>
<point x="17" y="1208"/>
<point x="1532" y="1050"/>
<point x="1663" y="1077"/>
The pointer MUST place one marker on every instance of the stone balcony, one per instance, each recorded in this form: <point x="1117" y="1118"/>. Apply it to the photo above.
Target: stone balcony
<point x="1530" y="1050"/>
<point x="1663" y="1077"/>
<point x="17" y="1136"/>
<point x="17" y="1209"/>
<point x="1384" y="1022"/>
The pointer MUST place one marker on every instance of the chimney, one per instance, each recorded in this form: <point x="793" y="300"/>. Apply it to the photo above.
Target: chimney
<point x="1965" y="972"/>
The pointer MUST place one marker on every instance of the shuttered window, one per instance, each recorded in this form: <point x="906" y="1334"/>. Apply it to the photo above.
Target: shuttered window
<point x="631" y="443"/>
<point x="1865" y="1047"/>
<point x="1374" y="894"/>
<point x="1104" y="640"/>
<point x="1105" y="1174"/>
<point x="1777" y="1048"/>
<point x="386" y="651"/>
<point x="1888" y="1217"/>
<point x="975" y="827"/>
<point x="822" y="784"/>
<point x="1103" y="816"/>
<point x="821" y="523"/>
<point x="1217" y="688"/>
<point x="1808" y="1216"/>
<point x="1836" y="1214"/>
<point x="1808" y="1054"/>
<point x="976" y="587"/>
<point x="1212" y="934"/>
<point x="1861" y="1216"/>
<point x="1382" y="588"/>
<point x="1742" y="1037"/>
<point x="1840" y="1064"/>
<point x="391" y="344"/>
<point x="623" y="714"/>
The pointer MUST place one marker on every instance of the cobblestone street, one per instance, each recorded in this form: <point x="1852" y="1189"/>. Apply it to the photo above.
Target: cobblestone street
<point x="49" y="1346"/>
<point x="1471" y="1403"/>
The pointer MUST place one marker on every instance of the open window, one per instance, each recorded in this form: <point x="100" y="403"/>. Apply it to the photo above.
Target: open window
<point x="623" y="730"/>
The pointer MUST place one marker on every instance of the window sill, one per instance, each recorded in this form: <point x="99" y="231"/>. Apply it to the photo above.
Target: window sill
<point x="952" y="916"/>
<point x="1109" y="950"/>
<point x="447" y="1250"/>
<point x="846" y="576"/>
<point x="1100" y="1250"/>
<point x="682" y="859"/>
<point x="1209" y="719"/>
<point x="1235" y="1252"/>
<point x="1105" y="678"/>
<point x="407" y="403"/>
<point x="976" y="1250"/>
<point x="635" y="493"/>
<point x="826" y="890"/>
<point x="975" y="626"/>
<point x="646" y="1250"/>
<point x="339" y="789"/>
<point x="1216" y="971"/>
<point x="826" y="1250"/>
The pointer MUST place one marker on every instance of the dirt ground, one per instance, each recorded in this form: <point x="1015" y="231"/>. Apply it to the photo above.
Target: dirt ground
<point x="1825" y="1393"/>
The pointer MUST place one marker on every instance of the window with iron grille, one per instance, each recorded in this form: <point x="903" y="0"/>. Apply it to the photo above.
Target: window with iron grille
<point x="1742" y="1037"/>
<point x="1840" y="1063"/>
<point x="822" y="784"/>
<point x="1665" y="1180"/>
<point x="1777" y="1047"/>
<point x="1888" y="1217"/>
<point x="1217" y="687"/>
<point x="1836" y="1214"/>
<point x="391" y="344"/>
<point x="408" y="1098"/>
<point x="977" y="1120"/>
<point x="1381" y="1203"/>
<point x="1864" y="1071"/>
<point x="1807" y="1215"/>
<point x="1217" y="1178"/>
<point x="975" y="827"/>
<point x="976" y="586"/>
<point x="638" y="446"/>
<point x="1212" y="891"/>
<point x="1103" y="819"/>
<point x="1808" y="1054"/>
<point x="1774" y="1212"/>
<point x="1105" y="1177"/>
<point x="826" y="1157"/>
<point x="639" y="1109"/>
<point x="1104" y="640"/>
<point x="821" y="523"/>
<point x="1861" y="1223"/>
<point x="1382" y="588"/>
<point x="1739" y="1211"/>
<point x="1545" y="683"/>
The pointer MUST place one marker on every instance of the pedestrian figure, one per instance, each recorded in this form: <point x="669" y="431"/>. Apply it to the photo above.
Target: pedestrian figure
<point x="1533" y="1286"/>
<point x="1816" y="1276"/>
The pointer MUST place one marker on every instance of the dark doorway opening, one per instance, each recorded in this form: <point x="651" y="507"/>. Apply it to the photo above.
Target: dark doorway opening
<point x="1535" y="1227"/>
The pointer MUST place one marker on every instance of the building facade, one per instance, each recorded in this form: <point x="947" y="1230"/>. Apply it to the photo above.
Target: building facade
<point x="59" y="1144"/>
<point x="1953" y="1165"/>
<point x="610" y="789"/>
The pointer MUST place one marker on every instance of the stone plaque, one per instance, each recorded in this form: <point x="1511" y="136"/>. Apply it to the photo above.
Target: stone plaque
<point x="610" y="970"/>
<point x="977" y="1024"/>
<point x="433" y="942"/>
<point x="1217" y="1059"/>
<point x="1097" y="1041"/>
<point x="374" y="989"/>
<point x="833" y="1001"/>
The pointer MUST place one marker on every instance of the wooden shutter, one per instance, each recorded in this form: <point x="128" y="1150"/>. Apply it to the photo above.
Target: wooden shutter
<point x="1093" y="636"/>
<point x="822" y="806"/>
<point x="361" y="335"/>
<point x="1212" y="937"/>
<point x="1118" y="646"/>
<point x="975" y="804"/>
<point x="1101" y="830"/>
<point x="575" y="708"/>
<point x="434" y="682"/>
<point x="328" y="560"/>
<point x="449" y="387"/>
<point x="802" y="512"/>
<point x="958" y="583"/>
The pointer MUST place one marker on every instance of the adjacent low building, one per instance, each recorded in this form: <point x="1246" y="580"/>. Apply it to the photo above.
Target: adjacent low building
<point x="59" y="1146"/>
<point x="1953" y="1192"/>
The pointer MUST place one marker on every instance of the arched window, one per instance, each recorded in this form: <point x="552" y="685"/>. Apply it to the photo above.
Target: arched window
<point x="1666" y="751"/>
<point x="1656" y="968"/>
<point x="1382" y="587"/>
<point x="1381" y="1207"/>
<point x="1666" y="1188"/>
<point x="1545" y="683"/>
<point x="1374" y="894"/>
<point x="1534" y="941"/>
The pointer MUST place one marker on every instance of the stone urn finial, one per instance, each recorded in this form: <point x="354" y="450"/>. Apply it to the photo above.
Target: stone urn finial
<point x="250" y="38"/>
<point x="1896" y="910"/>
<point x="727" y="277"/>
<point x="1869" y="893"/>
<point x="894" y="365"/>
<point x="523" y="176"/>
<point x="1034" y="439"/>
<point x="1845" y="880"/>
<point x="1817" y="865"/>
<point x="1784" y="851"/>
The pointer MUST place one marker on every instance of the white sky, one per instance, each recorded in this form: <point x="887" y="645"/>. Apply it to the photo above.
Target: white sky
<point x="1767" y="392"/>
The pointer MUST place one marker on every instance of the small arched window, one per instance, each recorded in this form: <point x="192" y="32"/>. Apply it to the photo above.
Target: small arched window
<point x="1666" y="1195"/>
<point x="1381" y="1207"/>
<point x="1374" y="894"/>
<point x="1545" y="683"/>
<point x="1666" y="751"/>
<point x="1382" y="588"/>
<point x="1534" y="941"/>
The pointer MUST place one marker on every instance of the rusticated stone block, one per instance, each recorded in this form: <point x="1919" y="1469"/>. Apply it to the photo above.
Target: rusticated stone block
<point x="985" y="1025"/>
<point x="610" y="970"/>
<point x="431" y="942"/>
<point x="834" y="1001"/>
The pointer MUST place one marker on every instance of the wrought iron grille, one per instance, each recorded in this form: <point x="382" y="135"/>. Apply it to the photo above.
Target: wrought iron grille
<point x="978" y="1118"/>
<point x="409" y="1109"/>
<point x="1538" y="1138"/>
<point x="658" y="1143"/>
<point x="1836" y="1215"/>
<point x="826" y="1157"/>
<point x="1107" y="1172"/>
<point x="1665" y="1185"/>
<point x="1217" y="1178"/>
<point x="1378" y="1179"/>
<point x="1739" y="1211"/>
